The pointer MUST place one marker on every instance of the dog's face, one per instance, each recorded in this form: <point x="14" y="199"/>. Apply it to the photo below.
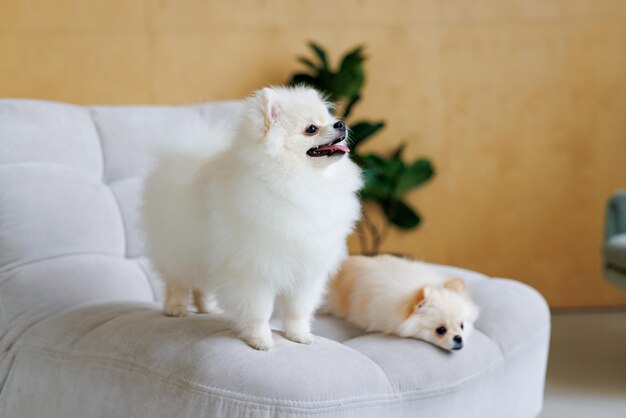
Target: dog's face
<point x="443" y="316"/>
<point x="297" y="125"/>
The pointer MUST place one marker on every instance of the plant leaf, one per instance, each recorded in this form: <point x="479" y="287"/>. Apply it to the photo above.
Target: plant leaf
<point x="397" y="154"/>
<point x="400" y="214"/>
<point x="375" y="162"/>
<point x="357" y="159"/>
<point x="376" y="184"/>
<point x="363" y="130"/>
<point x="353" y="57"/>
<point x="351" y="102"/>
<point x="416" y="174"/>
<point x="374" y="187"/>
<point x="304" y="79"/>
<point x="326" y="84"/>
<point x="351" y="75"/>
<point x="308" y="63"/>
<point x="393" y="169"/>
<point x="321" y="54"/>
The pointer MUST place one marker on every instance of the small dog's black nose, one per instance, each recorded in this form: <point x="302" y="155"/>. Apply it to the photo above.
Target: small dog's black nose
<point x="340" y="125"/>
<point x="458" y="339"/>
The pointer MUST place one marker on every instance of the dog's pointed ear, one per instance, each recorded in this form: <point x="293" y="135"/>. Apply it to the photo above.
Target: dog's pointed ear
<point x="456" y="285"/>
<point x="271" y="108"/>
<point x="418" y="300"/>
<point x="422" y="295"/>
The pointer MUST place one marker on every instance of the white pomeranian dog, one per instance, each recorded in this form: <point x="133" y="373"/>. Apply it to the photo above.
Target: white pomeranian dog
<point x="402" y="297"/>
<point x="267" y="218"/>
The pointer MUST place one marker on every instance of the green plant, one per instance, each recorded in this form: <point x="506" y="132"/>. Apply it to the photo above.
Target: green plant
<point x="387" y="179"/>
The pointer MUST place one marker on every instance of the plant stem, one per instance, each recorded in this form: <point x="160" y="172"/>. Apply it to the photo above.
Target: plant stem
<point x="373" y="232"/>
<point x="383" y="235"/>
<point x="360" y="231"/>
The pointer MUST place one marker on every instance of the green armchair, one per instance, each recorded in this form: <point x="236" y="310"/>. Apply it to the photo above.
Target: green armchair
<point x="615" y="240"/>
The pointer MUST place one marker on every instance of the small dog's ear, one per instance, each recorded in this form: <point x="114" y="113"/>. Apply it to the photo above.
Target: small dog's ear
<point x="418" y="300"/>
<point x="422" y="295"/>
<point x="271" y="109"/>
<point x="456" y="285"/>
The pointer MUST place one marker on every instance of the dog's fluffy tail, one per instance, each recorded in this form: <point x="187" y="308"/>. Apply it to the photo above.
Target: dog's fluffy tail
<point x="206" y="131"/>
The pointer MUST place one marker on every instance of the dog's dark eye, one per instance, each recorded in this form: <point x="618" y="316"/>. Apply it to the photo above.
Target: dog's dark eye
<point x="462" y="325"/>
<point x="311" y="129"/>
<point x="441" y="330"/>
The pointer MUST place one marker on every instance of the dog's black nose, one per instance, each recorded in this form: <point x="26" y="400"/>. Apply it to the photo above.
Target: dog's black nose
<point x="340" y="125"/>
<point x="458" y="339"/>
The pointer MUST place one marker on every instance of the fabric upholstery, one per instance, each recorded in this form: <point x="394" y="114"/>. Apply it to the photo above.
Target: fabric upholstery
<point x="614" y="250"/>
<point x="82" y="335"/>
<point x="616" y="214"/>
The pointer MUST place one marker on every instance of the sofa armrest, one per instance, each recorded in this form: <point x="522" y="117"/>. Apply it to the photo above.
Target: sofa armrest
<point x="616" y="214"/>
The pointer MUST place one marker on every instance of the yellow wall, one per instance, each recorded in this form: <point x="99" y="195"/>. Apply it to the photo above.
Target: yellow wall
<point x="521" y="104"/>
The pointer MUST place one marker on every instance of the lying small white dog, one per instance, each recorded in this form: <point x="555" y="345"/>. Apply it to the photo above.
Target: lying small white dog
<point x="266" y="218"/>
<point x="403" y="297"/>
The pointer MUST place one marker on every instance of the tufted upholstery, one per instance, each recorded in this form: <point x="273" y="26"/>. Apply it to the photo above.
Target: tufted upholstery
<point x="81" y="330"/>
<point x="70" y="178"/>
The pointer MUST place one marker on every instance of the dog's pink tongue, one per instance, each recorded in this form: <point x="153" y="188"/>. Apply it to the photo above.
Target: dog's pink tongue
<point x="334" y="147"/>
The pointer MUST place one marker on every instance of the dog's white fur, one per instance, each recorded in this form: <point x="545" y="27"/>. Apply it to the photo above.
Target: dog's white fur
<point x="260" y="220"/>
<point x="402" y="297"/>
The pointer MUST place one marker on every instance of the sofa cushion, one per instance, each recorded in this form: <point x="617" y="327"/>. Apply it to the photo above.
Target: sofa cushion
<point x="615" y="252"/>
<point x="35" y="131"/>
<point x="70" y="187"/>
<point x="141" y="363"/>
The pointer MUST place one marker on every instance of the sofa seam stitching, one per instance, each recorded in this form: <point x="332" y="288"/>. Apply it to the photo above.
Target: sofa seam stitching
<point x="231" y="394"/>
<point x="99" y="136"/>
<point x="103" y="180"/>
<point x="48" y="163"/>
<point x="235" y="402"/>
<point x="10" y="268"/>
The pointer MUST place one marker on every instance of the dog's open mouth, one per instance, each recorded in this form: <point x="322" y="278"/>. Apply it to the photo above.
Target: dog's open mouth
<point x="330" y="149"/>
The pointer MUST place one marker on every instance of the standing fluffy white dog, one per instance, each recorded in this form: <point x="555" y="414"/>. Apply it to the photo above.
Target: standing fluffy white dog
<point x="268" y="218"/>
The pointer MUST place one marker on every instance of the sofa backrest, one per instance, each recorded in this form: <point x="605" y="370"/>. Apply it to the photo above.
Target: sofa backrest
<point x="70" y="189"/>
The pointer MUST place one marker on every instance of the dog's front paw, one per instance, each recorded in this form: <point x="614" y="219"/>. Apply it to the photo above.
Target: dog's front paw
<point x="300" y="337"/>
<point x="259" y="342"/>
<point x="176" y="310"/>
<point x="258" y="336"/>
<point x="298" y="331"/>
